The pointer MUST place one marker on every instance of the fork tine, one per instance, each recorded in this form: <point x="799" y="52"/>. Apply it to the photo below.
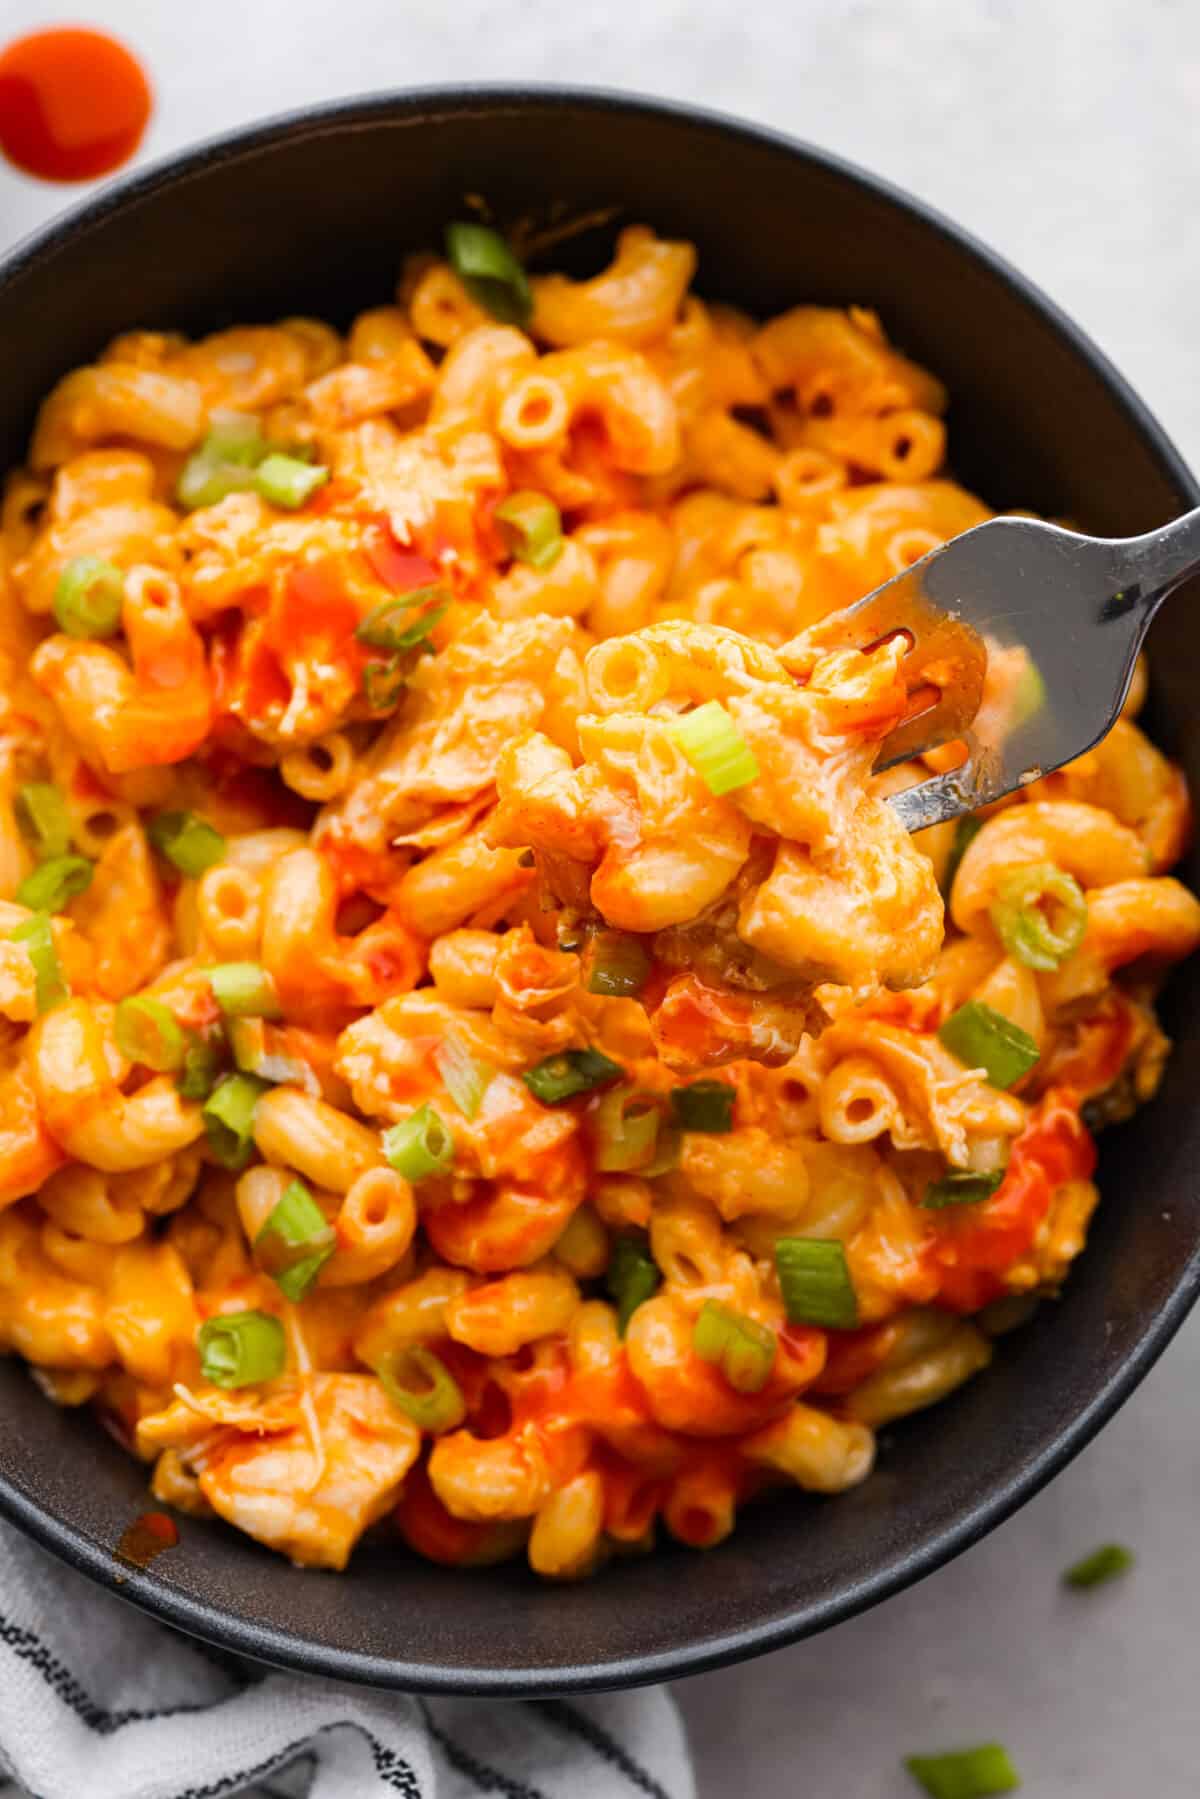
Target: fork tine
<point x="945" y="796"/>
<point x="944" y="668"/>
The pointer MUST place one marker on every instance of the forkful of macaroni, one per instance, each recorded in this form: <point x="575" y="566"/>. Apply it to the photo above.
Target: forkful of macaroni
<point x="1058" y="616"/>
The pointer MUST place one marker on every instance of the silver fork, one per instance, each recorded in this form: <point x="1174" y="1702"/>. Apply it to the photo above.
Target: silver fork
<point x="1079" y="607"/>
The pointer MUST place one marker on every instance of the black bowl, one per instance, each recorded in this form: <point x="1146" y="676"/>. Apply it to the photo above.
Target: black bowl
<point x="311" y="213"/>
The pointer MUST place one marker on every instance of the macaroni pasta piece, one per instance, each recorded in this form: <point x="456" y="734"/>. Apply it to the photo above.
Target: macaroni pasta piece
<point x="478" y="1056"/>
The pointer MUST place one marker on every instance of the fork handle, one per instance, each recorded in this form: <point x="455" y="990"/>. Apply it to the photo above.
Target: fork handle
<point x="1151" y="566"/>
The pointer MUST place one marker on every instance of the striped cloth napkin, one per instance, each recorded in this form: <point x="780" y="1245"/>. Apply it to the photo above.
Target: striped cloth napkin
<point x="98" y="1701"/>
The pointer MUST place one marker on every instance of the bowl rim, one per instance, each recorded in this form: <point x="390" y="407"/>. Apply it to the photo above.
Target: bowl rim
<point x="266" y="1642"/>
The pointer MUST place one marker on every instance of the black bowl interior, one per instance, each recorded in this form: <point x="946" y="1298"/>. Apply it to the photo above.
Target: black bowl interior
<point x="312" y="214"/>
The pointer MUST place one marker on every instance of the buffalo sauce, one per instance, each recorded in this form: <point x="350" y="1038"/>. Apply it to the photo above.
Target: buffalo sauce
<point x="73" y="104"/>
<point x="145" y="1538"/>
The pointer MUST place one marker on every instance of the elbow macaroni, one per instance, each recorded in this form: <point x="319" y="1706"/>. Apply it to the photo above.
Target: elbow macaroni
<point x="430" y="846"/>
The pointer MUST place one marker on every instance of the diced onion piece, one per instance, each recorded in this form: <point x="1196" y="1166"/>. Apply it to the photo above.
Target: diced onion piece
<point x="149" y="1033"/>
<point x="983" y="1038"/>
<point x="238" y="1349"/>
<point x="55" y="883"/>
<point x="743" y="1349"/>
<point x="1040" y="913"/>
<point x="715" y="748"/>
<point x="420" y="1145"/>
<point x="490" y="272"/>
<point x="814" y="1281"/>
<point x="88" y="597"/>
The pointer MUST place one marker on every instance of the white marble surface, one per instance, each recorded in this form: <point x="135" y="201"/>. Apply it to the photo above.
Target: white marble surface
<point x="1066" y="133"/>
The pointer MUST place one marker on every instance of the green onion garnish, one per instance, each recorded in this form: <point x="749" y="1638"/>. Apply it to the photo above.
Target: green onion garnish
<point x="965" y="832"/>
<point x="704" y="1106"/>
<point x="962" y="1187"/>
<point x="224" y="463"/>
<point x="423" y="1387"/>
<point x="384" y="627"/>
<point x="743" y="1349"/>
<point x="633" y="1275"/>
<point x="967" y="1774"/>
<point x="626" y="1130"/>
<point x="295" y="1242"/>
<point x="715" y="748"/>
<point x="288" y="482"/>
<point x="420" y="1145"/>
<point x="571" y="1072"/>
<point x="149" y="1033"/>
<point x="1103" y="1564"/>
<point x="1040" y="913"/>
<point x="255" y="1046"/>
<point x="243" y="990"/>
<point x="57" y="882"/>
<point x="490" y="272"/>
<point x="37" y="934"/>
<point x="531" y="527"/>
<point x="617" y="964"/>
<point x="466" y="1080"/>
<point x="43" y="815"/>
<point x="228" y="1116"/>
<point x="235" y="437"/>
<point x="187" y="841"/>
<point x="238" y="1349"/>
<point x="815" y="1283"/>
<point x="200" y="1068"/>
<point x="88" y="597"/>
<point x="983" y="1038"/>
<point x="383" y="683"/>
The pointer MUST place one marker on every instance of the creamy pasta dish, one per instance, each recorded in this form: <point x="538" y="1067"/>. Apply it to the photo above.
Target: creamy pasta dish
<point x="479" y="1057"/>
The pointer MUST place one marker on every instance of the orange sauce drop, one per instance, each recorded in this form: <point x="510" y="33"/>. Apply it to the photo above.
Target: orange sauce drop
<point x="73" y="104"/>
<point x="147" y="1537"/>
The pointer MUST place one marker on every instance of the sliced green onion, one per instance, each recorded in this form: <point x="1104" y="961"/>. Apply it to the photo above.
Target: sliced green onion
<point x="187" y="841"/>
<point x="617" y="964"/>
<point x="43" y="815"/>
<point x="743" y="1349"/>
<point x="531" y="527"/>
<point x="384" y="627"/>
<point x="420" y="1145"/>
<point x="243" y="990"/>
<point x="961" y="1187"/>
<point x="715" y="748"/>
<point x="228" y="1116"/>
<point x="37" y="934"/>
<point x="383" y="683"/>
<point x="490" y="272"/>
<point x="626" y="1130"/>
<point x="238" y="1349"/>
<point x="1040" y="913"/>
<point x="234" y="437"/>
<point x="257" y="1049"/>
<point x="815" y="1283"/>
<point x="149" y="1033"/>
<point x="966" y="1774"/>
<point x="632" y="1277"/>
<point x="295" y="1242"/>
<point x="420" y="1383"/>
<point x="199" y="1069"/>
<point x="704" y="1106"/>
<point x="983" y="1038"/>
<point x="288" y="482"/>
<point x="88" y="597"/>
<point x="205" y="480"/>
<point x="571" y="1072"/>
<point x="1029" y="695"/>
<point x="965" y="832"/>
<point x="1103" y="1564"/>
<point x="57" y="882"/>
<point x="466" y="1080"/>
<point x="667" y="1150"/>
